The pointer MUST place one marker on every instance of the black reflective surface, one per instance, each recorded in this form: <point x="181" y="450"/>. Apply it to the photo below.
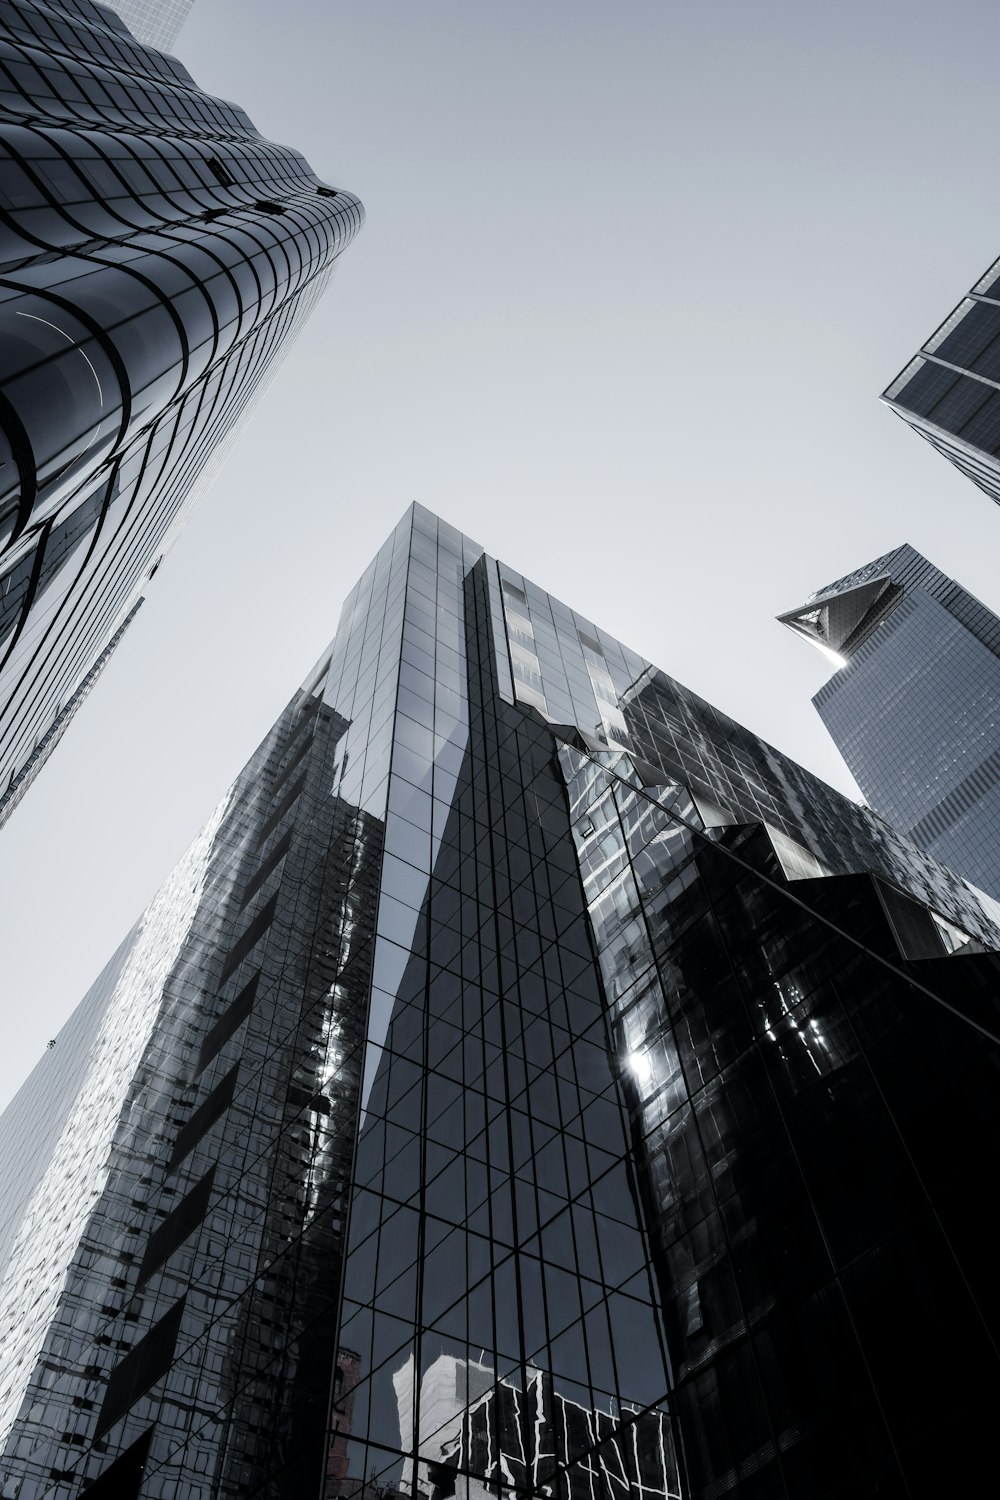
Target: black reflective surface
<point x="810" y="1169"/>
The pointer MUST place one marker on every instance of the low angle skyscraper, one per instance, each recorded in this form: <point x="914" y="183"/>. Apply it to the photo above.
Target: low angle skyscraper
<point x="950" y="391"/>
<point x="914" y="705"/>
<point x="158" y="258"/>
<point x="530" y="1082"/>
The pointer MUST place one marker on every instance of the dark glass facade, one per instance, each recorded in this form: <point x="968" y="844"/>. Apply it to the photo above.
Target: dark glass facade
<point x="529" y="1083"/>
<point x="950" y="391"/>
<point x="914" y="707"/>
<point x="156" y="258"/>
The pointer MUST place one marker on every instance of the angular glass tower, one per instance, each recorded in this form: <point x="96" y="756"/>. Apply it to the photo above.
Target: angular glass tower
<point x="914" y="707"/>
<point x="158" y="257"/>
<point x="529" y="1083"/>
<point x="950" y="391"/>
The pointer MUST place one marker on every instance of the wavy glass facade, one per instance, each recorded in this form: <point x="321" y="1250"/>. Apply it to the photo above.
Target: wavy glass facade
<point x="914" y="707"/>
<point x="950" y="391"/>
<point x="529" y="1084"/>
<point x="157" y="256"/>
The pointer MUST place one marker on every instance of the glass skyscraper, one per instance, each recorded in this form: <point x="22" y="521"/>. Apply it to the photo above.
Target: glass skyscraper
<point x="158" y="257"/>
<point x="950" y="391"/>
<point x="914" y="706"/>
<point x="530" y="1083"/>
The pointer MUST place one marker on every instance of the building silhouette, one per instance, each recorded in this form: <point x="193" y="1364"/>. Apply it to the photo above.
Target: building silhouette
<point x="158" y="258"/>
<point x="949" y="392"/>
<point x="914" y="705"/>
<point x="529" y="1082"/>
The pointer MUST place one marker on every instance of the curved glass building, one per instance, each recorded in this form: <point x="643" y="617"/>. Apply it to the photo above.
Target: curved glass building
<point x="156" y="258"/>
<point x="530" y="1084"/>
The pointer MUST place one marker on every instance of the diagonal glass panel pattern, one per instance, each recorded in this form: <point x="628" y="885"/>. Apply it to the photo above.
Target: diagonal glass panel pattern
<point x="155" y="23"/>
<point x="497" y="1272"/>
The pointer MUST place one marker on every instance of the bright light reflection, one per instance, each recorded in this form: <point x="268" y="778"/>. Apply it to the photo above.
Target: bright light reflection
<point x="641" y="1066"/>
<point x="834" y="656"/>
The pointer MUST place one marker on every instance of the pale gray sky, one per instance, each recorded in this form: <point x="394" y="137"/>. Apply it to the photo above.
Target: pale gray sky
<point x="632" y="279"/>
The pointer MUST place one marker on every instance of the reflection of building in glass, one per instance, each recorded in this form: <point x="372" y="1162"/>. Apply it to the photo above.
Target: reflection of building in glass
<point x="451" y="1391"/>
<point x="531" y="1083"/>
<point x="345" y="1378"/>
<point x="914" y="706"/>
<point x="950" y="391"/>
<point x="159" y="257"/>
<point x="474" y="1444"/>
<point x="180" y="1222"/>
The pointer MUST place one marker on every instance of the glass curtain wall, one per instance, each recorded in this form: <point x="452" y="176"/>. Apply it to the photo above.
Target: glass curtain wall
<point x="489" y="1106"/>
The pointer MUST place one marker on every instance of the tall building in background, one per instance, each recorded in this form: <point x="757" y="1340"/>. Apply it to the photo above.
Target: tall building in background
<point x="914" y="706"/>
<point x="529" y="1083"/>
<point x="950" y="391"/>
<point x="155" y="23"/>
<point x="158" y="257"/>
